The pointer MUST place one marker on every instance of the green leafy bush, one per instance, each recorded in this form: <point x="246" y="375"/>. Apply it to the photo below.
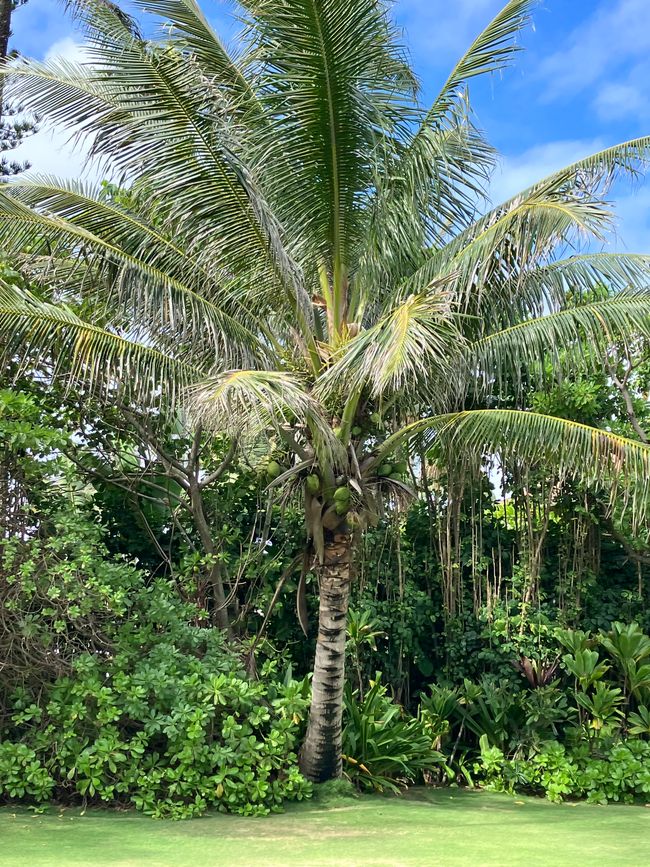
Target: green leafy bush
<point x="169" y="723"/>
<point x="62" y="594"/>
<point x="383" y="747"/>
<point x="618" y="772"/>
<point x="581" y="732"/>
<point x="22" y="774"/>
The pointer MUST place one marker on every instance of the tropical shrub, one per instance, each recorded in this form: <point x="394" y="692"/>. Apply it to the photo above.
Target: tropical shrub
<point x="385" y="749"/>
<point x="620" y="772"/>
<point x="22" y="774"/>
<point x="61" y="594"/>
<point x="575" y="729"/>
<point x="169" y="722"/>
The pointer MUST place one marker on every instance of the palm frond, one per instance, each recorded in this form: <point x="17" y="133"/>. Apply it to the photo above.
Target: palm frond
<point x="594" y="173"/>
<point x="190" y="30"/>
<point x="491" y="51"/>
<point x="132" y="269"/>
<point x="330" y="95"/>
<point x="596" y="457"/>
<point x="548" y="287"/>
<point x="565" y="208"/>
<point x="418" y="205"/>
<point x="88" y="356"/>
<point x="566" y="338"/>
<point x="152" y="112"/>
<point x="488" y="258"/>
<point x="410" y="349"/>
<point x="436" y="183"/>
<point x="255" y="403"/>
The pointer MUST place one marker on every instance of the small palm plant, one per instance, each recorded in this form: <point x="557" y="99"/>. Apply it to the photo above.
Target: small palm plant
<point x="303" y="254"/>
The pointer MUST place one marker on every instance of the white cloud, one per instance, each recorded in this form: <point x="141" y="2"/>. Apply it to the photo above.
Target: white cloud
<point x="628" y="97"/>
<point x="618" y="100"/>
<point x="437" y="32"/>
<point x="67" y="49"/>
<point x="631" y="204"/>
<point x="520" y="171"/>
<point x="50" y="151"/>
<point x="616" y="34"/>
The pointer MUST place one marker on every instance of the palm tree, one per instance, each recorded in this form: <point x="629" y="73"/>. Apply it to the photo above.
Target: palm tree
<point x="304" y="254"/>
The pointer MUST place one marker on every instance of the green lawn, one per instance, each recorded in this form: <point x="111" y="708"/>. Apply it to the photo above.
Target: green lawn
<point x="427" y="828"/>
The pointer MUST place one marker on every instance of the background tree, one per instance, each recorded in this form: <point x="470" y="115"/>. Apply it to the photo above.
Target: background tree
<point x="302" y="260"/>
<point x="12" y="131"/>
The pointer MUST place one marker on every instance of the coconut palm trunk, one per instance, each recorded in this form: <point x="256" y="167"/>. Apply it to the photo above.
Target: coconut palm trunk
<point x="320" y="756"/>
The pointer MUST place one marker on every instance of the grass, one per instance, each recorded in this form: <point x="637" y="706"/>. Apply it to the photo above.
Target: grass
<point x="424" y="829"/>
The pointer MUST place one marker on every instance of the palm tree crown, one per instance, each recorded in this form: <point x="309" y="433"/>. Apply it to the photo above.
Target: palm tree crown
<point x="301" y="248"/>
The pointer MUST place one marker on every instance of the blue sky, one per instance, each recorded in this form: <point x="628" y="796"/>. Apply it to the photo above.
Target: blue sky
<point x="582" y="83"/>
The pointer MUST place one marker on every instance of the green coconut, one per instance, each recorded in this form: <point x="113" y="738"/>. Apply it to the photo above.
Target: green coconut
<point x="401" y="467"/>
<point x="375" y="418"/>
<point x="385" y="470"/>
<point x="342" y="494"/>
<point x="341" y="508"/>
<point x="312" y="483"/>
<point x="273" y="469"/>
<point x="357" y="431"/>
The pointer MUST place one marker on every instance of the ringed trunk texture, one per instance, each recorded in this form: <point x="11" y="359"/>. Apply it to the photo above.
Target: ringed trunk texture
<point x="320" y="756"/>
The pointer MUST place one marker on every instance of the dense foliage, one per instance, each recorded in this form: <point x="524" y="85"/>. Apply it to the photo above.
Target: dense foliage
<point x="116" y="688"/>
<point x="295" y="419"/>
<point x="170" y="723"/>
<point x="113" y="687"/>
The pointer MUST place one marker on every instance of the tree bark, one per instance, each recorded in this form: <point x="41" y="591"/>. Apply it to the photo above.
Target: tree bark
<point x="215" y="576"/>
<point x="6" y="8"/>
<point x="621" y="385"/>
<point x="320" y="756"/>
